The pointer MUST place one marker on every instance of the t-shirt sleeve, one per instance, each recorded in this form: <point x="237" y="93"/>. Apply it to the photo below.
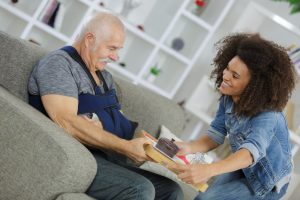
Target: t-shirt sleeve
<point x="54" y="76"/>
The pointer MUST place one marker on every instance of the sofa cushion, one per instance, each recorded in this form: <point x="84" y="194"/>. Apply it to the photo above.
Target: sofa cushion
<point x="74" y="196"/>
<point x="18" y="58"/>
<point x="38" y="159"/>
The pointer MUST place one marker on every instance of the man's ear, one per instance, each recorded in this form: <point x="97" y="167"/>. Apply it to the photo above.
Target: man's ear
<point x="89" y="39"/>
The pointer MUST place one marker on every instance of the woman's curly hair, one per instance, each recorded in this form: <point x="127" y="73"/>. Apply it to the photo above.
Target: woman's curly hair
<point x="272" y="72"/>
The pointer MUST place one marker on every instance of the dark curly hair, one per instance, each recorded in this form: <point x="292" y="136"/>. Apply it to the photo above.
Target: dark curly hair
<point x="272" y="72"/>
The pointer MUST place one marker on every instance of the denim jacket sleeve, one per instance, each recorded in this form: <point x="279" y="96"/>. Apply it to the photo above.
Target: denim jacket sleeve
<point x="217" y="131"/>
<point x="260" y="135"/>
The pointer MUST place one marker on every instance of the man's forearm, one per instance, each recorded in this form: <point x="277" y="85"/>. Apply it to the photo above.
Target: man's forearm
<point x="92" y="135"/>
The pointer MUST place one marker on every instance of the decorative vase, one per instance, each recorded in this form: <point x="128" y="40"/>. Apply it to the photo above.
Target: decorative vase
<point x="177" y="44"/>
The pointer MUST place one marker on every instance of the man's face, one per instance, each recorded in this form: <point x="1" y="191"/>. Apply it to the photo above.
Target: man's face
<point x="106" y="50"/>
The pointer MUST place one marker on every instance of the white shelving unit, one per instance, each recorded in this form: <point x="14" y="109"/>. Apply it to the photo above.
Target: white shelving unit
<point x="202" y="104"/>
<point x="256" y="18"/>
<point x="162" y="21"/>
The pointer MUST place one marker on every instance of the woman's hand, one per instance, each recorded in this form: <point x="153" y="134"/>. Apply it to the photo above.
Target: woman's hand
<point x="192" y="174"/>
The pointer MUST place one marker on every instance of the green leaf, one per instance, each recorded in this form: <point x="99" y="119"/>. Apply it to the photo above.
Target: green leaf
<point x="294" y="1"/>
<point x="155" y="71"/>
<point x="295" y="8"/>
<point x="294" y="4"/>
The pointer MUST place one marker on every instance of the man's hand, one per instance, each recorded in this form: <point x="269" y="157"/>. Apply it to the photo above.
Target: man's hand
<point x="135" y="149"/>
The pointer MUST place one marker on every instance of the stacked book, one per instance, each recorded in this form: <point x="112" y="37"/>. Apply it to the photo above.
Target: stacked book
<point x="53" y="14"/>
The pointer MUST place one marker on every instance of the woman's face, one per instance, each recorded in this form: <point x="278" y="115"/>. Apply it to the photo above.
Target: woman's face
<point x="236" y="77"/>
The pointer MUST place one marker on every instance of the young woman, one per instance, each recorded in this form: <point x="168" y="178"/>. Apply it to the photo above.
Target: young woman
<point x="255" y="78"/>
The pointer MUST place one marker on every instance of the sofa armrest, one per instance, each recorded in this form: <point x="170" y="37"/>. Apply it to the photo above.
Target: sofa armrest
<point x="74" y="196"/>
<point x="149" y="109"/>
<point x="38" y="159"/>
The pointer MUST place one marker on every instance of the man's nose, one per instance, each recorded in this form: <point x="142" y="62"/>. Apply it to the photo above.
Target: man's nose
<point x="114" y="57"/>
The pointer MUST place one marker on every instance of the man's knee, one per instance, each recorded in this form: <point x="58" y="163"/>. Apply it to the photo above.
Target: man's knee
<point x="174" y="191"/>
<point x="144" y="190"/>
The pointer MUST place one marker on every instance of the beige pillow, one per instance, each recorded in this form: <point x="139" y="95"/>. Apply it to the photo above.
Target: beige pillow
<point x="165" y="132"/>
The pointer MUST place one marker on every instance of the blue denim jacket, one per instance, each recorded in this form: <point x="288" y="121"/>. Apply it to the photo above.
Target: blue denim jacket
<point x="265" y="135"/>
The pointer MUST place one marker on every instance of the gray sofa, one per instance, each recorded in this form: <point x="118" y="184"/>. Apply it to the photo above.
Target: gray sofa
<point x="38" y="159"/>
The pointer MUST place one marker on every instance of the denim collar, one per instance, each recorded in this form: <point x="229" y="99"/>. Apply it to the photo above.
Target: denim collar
<point x="228" y="105"/>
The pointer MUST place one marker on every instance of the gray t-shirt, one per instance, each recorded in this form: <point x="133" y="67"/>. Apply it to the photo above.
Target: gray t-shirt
<point x="58" y="73"/>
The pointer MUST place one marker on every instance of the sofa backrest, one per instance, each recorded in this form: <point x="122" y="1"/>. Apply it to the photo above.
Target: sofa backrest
<point x="149" y="109"/>
<point x="18" y="58"/>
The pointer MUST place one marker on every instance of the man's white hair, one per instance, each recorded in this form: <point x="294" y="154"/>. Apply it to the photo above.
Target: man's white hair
<point x="102" y="24"/>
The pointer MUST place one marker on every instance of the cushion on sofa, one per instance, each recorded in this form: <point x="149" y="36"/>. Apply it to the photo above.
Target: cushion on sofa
<point x="160" y="110"/>
<point x="38" y="160"/>
<point x="74" y="196"/>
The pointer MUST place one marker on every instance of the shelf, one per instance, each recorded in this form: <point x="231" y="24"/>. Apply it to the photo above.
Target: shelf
<point x="210" y="12"/>
<point x="52" y="31"/>
<point x="69" y="15"/>
<point x="186" y="36"/>
<point x="203" y="101"/>
<point x="10" y="8"/>
<point x="153" y="15"/>
<point x="171" y="70"/>
<point x="258" y="19"/>
<point x="11" y="24"/>
<point x="71" y="20"/>
<point x="115" y="69"/>
<point x="294" y="137"/>
<point x="129" y="56"/>
<point x="151" y="27"/>
<point x="45" y="40"/>
<point x="25" y="6"/>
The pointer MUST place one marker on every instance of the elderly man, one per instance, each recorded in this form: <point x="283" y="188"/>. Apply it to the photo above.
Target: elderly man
<point x="71" y="86"/>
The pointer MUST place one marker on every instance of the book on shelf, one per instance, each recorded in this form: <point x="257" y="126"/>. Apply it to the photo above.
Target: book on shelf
<point x="52" y="18"/>
<point x="59" y="17"/>
<point x="48" y="11"/>
<point x="53" y="14"/>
